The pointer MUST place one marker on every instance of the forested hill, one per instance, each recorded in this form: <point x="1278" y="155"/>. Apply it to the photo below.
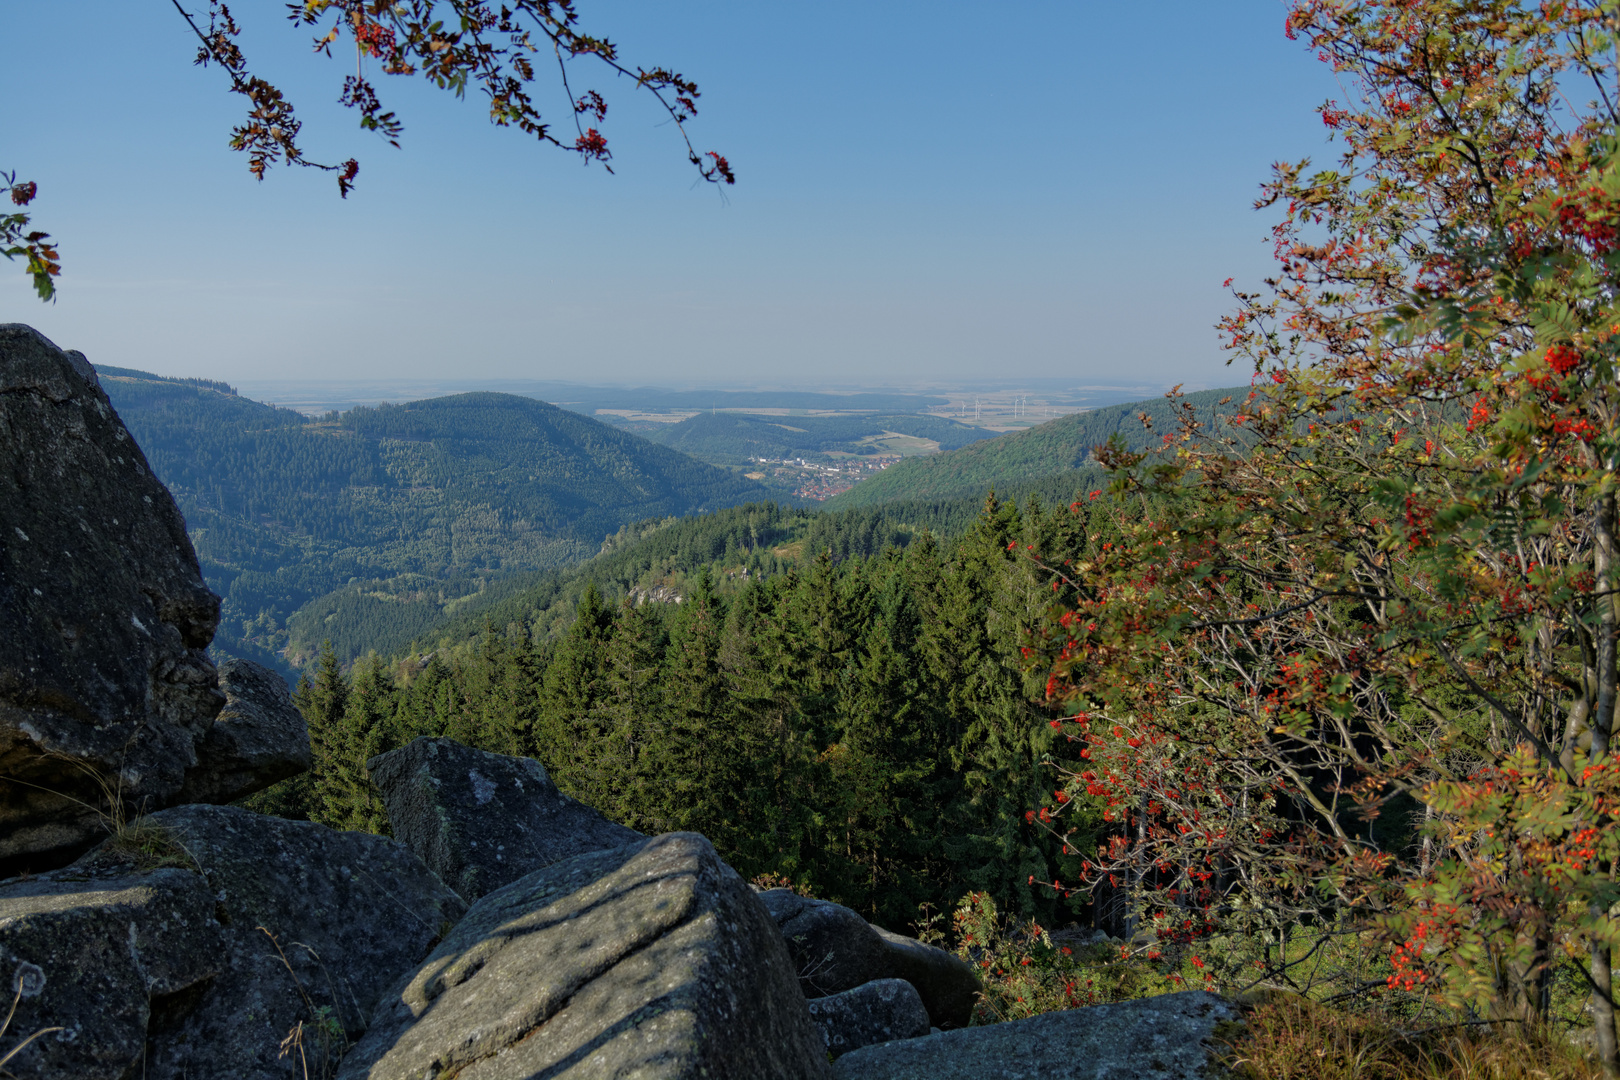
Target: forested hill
<point x="654" y="559"/>
<point x="1055" y="447"/>
<point x="283" y="509"/>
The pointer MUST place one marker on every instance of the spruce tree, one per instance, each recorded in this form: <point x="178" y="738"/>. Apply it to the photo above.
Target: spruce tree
<point x="694" y="756"/>
<point x="322" y="702"/>
<point x="973" y="647"/>
<point x="617" y="776"/>
<point x="766" y="806"/>
<point x="347" y="798"/>
<point x="560" y="738"/>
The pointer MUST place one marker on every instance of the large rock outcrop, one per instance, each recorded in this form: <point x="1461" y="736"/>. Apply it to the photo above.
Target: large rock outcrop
<point x="834" y="950"/>
<point x="106" y="692"/>
<point x="317" y="924"/>
<point x="879" y="1011"/>
<point x="257" y="739"/>
<point x="652" y="960"/>
<point x="98" y="952"/>
<point x="1158" y="1038"/>
<point x="482" y="820"/>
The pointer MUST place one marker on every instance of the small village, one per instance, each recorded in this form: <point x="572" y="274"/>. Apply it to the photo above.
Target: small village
<point x="817" y="481"/>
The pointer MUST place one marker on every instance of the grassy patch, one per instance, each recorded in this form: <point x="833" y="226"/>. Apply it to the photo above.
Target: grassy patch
<point x="1294" y="1038"/>
<point x="143" y="844"/>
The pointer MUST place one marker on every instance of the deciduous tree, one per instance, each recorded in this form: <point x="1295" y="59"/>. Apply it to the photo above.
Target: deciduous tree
<point x="1352" y="655"/>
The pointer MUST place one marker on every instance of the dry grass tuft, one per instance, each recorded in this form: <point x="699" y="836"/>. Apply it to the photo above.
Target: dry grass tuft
<point x="133" y="838"/>
<point x="144" y="845"/>
<point x="1292" y="1038"/>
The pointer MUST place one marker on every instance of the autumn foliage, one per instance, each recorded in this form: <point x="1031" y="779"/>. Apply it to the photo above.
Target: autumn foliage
<point x="456" y="45"/>
<point x="1351" y="659"/>
<point x="18" y="241"/>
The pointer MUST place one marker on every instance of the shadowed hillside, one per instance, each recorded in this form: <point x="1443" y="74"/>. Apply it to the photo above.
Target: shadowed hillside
<point x="283" y="509"/>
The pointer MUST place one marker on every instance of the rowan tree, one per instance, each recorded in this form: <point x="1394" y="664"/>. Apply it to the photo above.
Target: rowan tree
<point x="1351" y="658"/>
<point x="453" y="44"/>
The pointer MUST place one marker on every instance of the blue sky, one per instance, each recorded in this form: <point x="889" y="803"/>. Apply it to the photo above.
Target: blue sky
<point x="927" y="192"/>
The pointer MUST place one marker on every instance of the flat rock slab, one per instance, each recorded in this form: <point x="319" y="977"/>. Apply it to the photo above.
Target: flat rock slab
<point x="1158" y="1038"/>
<point x="879" y="1011"/>
<point x="317" y="924"/>
<point x="104" y="616"/>
<point x="97" y="951"/>
<point x="834" y="950"/>
<point x="257" y="739"/>
<point x="652" y="961"/>
<point x="482" y="820"/>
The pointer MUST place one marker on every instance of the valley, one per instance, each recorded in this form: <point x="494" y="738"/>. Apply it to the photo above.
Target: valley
<point x="389" y="525"/>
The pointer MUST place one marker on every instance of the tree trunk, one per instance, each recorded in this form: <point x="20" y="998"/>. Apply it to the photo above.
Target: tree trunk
<point x="1602" y="720"/>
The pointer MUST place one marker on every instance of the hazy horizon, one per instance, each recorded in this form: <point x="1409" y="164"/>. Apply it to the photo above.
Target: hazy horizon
<point x="322" y="395"/>
<point x="1057" y="194"/>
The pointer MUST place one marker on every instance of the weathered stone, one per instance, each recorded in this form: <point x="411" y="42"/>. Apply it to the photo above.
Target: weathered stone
<point x="104" y="617"/>
<point x="834" y="950"/>
<point x="879" y="1011"/>
<point x="317" y="924"/>
<point x="946" y="982"/>
<point x="481" y="820"/>
<point x="652" y="960"/>
<point x="98" y="950"/>
<point x="256" y="740"/>
<point x="1160" y="1038"/>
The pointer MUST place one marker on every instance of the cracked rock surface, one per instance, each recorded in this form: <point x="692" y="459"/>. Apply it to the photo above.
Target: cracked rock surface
<point x="315" y="925"/>
<point x="834" y="950"/>
<point x="257" y="739"/>
<point x="99" y="951"/>
<point x="652" y="960"/>
<point x="879" y="1011"/>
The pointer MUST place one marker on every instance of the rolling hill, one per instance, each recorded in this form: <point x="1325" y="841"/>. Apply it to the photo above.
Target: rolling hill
<point x="283" y="509"/>
<point x="1056" y="447"/>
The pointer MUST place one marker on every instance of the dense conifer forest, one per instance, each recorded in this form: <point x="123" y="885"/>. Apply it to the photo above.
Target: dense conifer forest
<point x="841" y="700"/>
<point x="862" y="726"/>
<point x="654" y="557"/>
